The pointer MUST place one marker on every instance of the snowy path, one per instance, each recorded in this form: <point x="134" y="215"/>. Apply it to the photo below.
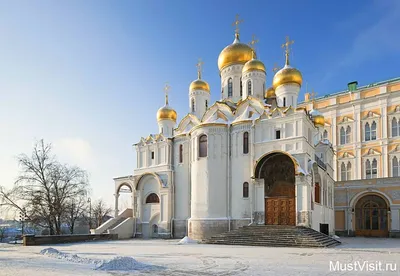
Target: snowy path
<point x="168" y="258"/>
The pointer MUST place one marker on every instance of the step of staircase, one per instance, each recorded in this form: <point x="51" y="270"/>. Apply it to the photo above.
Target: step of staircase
<point x="274" y="236"/>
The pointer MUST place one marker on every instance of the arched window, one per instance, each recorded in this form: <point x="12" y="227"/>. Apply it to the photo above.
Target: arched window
<point x="245" y="190"/>
<point x="325" y="135"/>
<point x="230" y="88"/>
<point x="241" y="87"/>
<point x="395" y="167"/>
<point x="348" y="134"/>
<point x="264" y="88"/>
<point x="368" y="172"/>
<point x="342" y="136"/>
<point x="367" y="132"/>
<point x="394" y="127"/>
<point x="206" y="104"/>
<point x="374" y="168"/>
<point x="203" y="146"/>
<point x="317" y="192"/>
<point x="152" y="198"/>
<point x="284" y="101"/>
<point x="373" y="131"/>
<point x="348" y="177"/>
<point x="249" y="87"/>
<point x="343" y="172"/>
<point x="181" y="153"/>
<point x="246" y="142"/>
<point x="193" y="110"/>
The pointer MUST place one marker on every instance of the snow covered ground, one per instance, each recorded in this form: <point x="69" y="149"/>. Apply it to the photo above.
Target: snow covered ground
<point x="167" y="257"/>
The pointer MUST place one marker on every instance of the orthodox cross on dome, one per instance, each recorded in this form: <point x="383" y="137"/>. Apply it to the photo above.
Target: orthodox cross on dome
<point x="166" y="91"/>
<point x="276" y="68"/>
<point x="252" y="44"/>
<point x="199" y="66"/>
<point x="287" y="50"/>
<point x="236" y="24"/>
<point x="312" y="97"/>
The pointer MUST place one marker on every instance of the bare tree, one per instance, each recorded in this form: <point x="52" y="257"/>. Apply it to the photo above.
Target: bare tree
<point x="100" y="210"/>
<point x="2" y="232"/>
<point x="45" y="187"/>
<point x="75" y="209"/>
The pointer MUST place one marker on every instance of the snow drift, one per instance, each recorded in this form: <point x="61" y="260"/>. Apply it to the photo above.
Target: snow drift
<point x="187" y="240"/>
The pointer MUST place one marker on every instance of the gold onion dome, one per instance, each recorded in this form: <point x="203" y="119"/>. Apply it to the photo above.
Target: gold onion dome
<point x="287" y="74"/>
<point x="166" y="112"/>
<point x="199" y="84"/>
<point x="236" y="53"/>
<point x="270" y="93"/>
<point x="253" y="65"/>
<point x="317" y="117"/>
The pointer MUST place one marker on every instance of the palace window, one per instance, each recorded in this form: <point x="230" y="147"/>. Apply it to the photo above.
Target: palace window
<point x="230" y="88"/>
<point x="241" y="87"/>
<point x="152" y="155"/>
<point x="206" y="104"/>
<point x="317" y="192"/>
<point x="395" y="167"/>
<point x="371" y="169"/>
<point x="203" y="146"/>
<point x="395" y="128"/>
<point x="277" y="134"/>
<point x="152" y="198"/>
<point x="249" y="88"/>
<point x="325" y="135"/>
<point x="345" y="135"/>
<point x="370" y="131"/>
<point x="193" y="110"/>
<point x="246" y="142"/>
<point x="345" y="171"/>
<point x="284" y="101"/>
<point x="245" y="190"/>
<point x="181" y="153"/>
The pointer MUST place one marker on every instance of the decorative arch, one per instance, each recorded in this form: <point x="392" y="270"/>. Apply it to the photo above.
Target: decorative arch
<point x="152" y="198"/>
<point x="126" y="184"/>
<point x="261" y="161"/>
<point x="360" y="195"/>
<point x="148" y="174"/>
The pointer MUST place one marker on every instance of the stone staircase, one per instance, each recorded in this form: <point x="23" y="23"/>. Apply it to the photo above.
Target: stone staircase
<point x="274" y="236"/>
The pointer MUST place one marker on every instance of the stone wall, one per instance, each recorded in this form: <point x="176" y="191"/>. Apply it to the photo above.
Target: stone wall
<point x="39" y="240"/>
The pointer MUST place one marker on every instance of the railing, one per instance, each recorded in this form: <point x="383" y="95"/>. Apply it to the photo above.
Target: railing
<point x="320" y="162"/>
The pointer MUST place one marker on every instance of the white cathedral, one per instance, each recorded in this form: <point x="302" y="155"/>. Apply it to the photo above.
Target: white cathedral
<point x="252" y="157"/>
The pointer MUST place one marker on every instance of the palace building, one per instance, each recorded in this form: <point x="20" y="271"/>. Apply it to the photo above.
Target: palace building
<point x="363" y="126"/>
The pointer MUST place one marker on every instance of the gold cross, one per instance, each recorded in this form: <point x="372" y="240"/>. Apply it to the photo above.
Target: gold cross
<point x="199" y="66"/>
<point x="312" y="96"/>
<point x="276" y="68"/>
<point x="253" y="42"/>
<point x="166" y="90"/>
<point x="286" y="45"/>
<point x="236" y="23"/>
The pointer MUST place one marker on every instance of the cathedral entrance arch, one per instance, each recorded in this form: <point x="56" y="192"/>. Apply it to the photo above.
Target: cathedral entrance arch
<point x="124" y="195"/>
<point x="371" y="214"/>
<point x="278" y="171"/>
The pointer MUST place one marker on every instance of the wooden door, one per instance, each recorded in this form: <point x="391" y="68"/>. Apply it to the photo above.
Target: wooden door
<point x="280" y="211"/>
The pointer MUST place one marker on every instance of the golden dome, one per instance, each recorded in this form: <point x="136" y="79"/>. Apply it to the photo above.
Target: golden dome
<point x="318" y="118"/>
<point x="235" y="53"/>
<point x="270" y="93"/>
<point x="166" y="113"/>
<point x="253" y="65"/>
<point x="199" y="84"/>
<point x="287" y="74"/>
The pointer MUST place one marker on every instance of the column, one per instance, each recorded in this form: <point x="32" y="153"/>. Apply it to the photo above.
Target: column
<point x="116" y="204"/>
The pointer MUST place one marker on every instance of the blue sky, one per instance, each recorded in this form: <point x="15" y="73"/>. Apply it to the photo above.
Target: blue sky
<point x="88" y="76"/>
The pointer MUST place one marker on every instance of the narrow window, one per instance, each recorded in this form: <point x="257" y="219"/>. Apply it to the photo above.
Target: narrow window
<point x="367" y="132"/>
<point x="395" y="167"/>
<point x="245" y="190"/>
<point x="277" y="134"/>
<point x="152" y="198"/>
<point x="342" y="136"/>
<point x="394" y="127"/>
<point x="230" y="88"/>
<point x="193" y="105"/>
<point x="325" y="136"/>
<point x="284" y="101"/>
<point x="162" y="130"/>
<point x="246" y="142"/>
<point x="152" y="155"/>
<point x="373" y="131"/>
<point x="181" y="153"/>
<point x="348" y="133"/>
<point x="249" y="88"/>
<point x="343" y="172"/>
<point x="203" y="146"/>
<point x="241" y="87"/>
<point x="317" y="193"/>
<point x="368" y="172"/>
<point x="374" y="168"/>
<point x="348" y="177"/>
<point x="206" y="104"/>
